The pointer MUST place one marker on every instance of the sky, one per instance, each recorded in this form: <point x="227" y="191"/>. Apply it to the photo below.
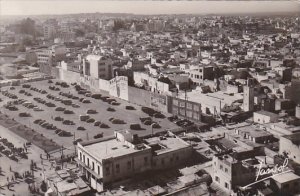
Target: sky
<point x="44" y="7"/>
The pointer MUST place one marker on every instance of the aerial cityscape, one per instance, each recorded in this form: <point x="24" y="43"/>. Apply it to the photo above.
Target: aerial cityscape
<point x="142" y="100"/>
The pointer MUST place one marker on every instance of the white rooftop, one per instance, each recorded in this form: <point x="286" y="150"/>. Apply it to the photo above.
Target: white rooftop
<point x="211" y="99"/>
<point x="286" y="177"/>
<point x="168" y="144"/>
<point x="109" y="148"/>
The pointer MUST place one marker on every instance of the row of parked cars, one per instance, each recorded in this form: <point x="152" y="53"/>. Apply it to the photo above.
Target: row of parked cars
<point x="45" y="124"/>
<point x="149" y="121"/>
<point x="11" y="105"/>
<point x="62" y="84"/>
<point x="64" y="121"/>
<point x="8" y="149"/>
<point x="64" y="110"/>
<point x="54" y="88"/>
<point x="50" y="126"/>
<point x="22" y="91"/>
<point x="42" y="101"/>
<point x="42" y="91"/>
<point x="9" y="95"/>
<point x="87" y="93"/>
<point x="180" y="122"/>
<point x="88" y="119"/>
<point x="63" y="101"/>
<point x="69" y="95"/>
<point x="152" y="112"/>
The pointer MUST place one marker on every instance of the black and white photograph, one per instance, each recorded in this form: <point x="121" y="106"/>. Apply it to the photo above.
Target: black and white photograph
<point x="149" y="98"/>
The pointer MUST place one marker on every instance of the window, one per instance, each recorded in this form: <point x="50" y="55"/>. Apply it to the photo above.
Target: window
<point x="295" y="183"/>
<point x="221" y="166"/>
<point x="175" y="102"/>
<point x="217" y="179"/>
<point x="117" y="168"/>
<point x="88" y="161"/>
<point x="107" y="170"/>
<point x="129" y="165"/>
<point x="93" y="166"/>
<point x="154" y="163"/>
<point x="226" y="170"/>
<point x="80" y="156"/>
<point x="84" y="158"/>
<point x="98" y="169"/>
<point x="145" y="160"/>
<point x="226" y="185"/>
<point x="233" y="172"/>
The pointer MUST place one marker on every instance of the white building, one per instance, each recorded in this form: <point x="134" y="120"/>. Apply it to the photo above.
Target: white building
<point x="263" y="117"/>
<point x="109" y="160"/>
<point x="97" y="67"/>
<point x="290" y="145"/>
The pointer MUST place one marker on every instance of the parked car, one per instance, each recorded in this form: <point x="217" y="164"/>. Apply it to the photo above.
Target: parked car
<point x="128" y="107"/>
<point x="135" y="126"/>
<point x="91" y="111"/>
<point x="80" y="128"/>
<point x="97" y="123"/>
<point x="99" y="135"/>
<point x="86" y="101"/>
<point x="84" y="117"/>
<point x="24" y="114"/>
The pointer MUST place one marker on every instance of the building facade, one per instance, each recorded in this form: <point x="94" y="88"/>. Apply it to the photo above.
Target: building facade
<point x="117" y="158"/>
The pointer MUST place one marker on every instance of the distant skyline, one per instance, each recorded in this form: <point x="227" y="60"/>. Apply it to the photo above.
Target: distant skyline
<point x="47" y="7"/>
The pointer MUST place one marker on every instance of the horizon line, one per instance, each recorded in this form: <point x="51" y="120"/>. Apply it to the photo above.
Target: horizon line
<point x="135" y="14"/>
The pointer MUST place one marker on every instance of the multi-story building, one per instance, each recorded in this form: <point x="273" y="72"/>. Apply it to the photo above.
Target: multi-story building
<point x="50" y="28"/>
<point x="289" y="145"/>
<point x="263" y="117"/>
<point x="117" y="158"/>
<point x="97" y="67"/>
<point x="49" y="31"/>
<point x="229" y="173"/>
<point x="285" y="184"/>
<point x="186" y="109"/>
<point x="44" y="56"/>
<point x="201" y="73"/>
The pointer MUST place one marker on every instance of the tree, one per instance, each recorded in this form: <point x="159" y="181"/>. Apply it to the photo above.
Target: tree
<point x="79" y="33"/>
<point x="44" y="186"/>
<point x="27" y="26"/>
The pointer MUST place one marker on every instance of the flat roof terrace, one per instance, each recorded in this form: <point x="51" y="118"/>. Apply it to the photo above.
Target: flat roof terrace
<point x="111" y="148"/>
<point x="167" y="144"/>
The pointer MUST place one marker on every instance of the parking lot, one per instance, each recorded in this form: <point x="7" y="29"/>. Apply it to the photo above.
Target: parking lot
<point x="55" y="113"/>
